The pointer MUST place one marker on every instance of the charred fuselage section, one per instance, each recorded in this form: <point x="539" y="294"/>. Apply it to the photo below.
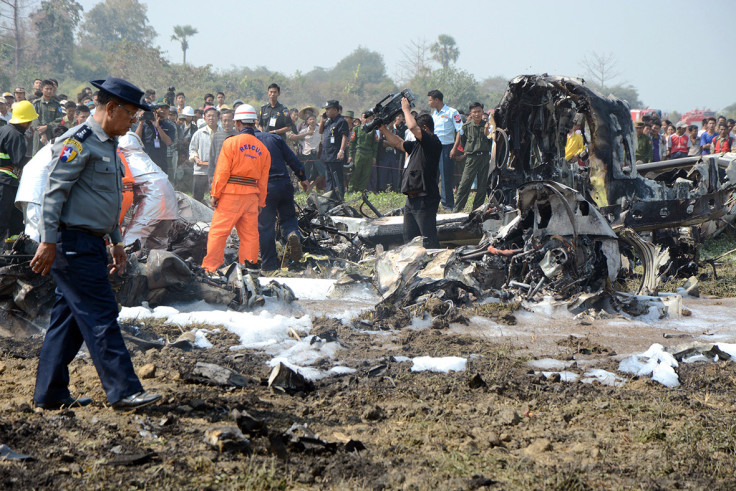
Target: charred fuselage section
<point x="675" y="203"/>
<point x="533" y="121"/>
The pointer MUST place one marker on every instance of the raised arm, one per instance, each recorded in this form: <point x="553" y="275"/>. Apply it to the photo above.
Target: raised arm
<point x="411" y="123"/>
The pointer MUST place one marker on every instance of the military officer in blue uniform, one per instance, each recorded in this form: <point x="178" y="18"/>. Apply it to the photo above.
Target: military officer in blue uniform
<point x="279" y="200"/>
<point x="81" y="207"/>
<point x="274" y="116"/>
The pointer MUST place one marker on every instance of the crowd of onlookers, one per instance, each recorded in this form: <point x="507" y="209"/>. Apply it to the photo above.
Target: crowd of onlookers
<point x="659" y="139"/>
<point x="170" y="133"/>
<point x="173" y="134"/>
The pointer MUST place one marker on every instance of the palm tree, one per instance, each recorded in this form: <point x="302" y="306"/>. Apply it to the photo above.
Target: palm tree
<point x="444" y="50"/>
<point x="181" y="33"/>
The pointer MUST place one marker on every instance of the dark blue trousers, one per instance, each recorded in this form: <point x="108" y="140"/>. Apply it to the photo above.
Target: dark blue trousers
<point x="420" y="218"/>
<point x="447" y="176"/>
<point x="85" y="311"/>
<point x="279" y="202"/>
<point x="335" y="177"/>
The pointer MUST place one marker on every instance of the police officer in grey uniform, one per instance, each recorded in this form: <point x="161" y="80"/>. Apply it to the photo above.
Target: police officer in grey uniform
<point x="81" y="206"/>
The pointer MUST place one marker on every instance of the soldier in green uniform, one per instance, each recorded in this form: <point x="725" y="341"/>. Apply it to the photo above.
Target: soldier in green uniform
<point x="49" y="115"/>
<point x="473" y="137"/>
<point x="363" y="151"/>
<point x="644" y="152"/>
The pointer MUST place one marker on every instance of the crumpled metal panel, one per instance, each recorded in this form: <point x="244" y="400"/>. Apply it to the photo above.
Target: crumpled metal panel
<point x="569" y="212"/>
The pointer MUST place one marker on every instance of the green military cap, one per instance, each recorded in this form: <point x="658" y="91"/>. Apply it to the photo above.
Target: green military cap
<point x="349" y="114"/>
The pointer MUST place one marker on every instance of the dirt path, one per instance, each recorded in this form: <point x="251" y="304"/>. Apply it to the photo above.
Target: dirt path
<point x="496" y="425"/>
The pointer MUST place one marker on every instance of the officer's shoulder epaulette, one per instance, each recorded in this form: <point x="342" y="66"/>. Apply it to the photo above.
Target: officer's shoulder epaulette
<point x="82" y="133"/>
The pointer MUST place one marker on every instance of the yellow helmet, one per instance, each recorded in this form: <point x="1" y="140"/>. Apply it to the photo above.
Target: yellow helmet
<point x="23" y="112"/>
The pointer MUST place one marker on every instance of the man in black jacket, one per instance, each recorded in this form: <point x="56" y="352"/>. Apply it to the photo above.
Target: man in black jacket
<point x="12" y="160"/>
<point x="419" y="181"/>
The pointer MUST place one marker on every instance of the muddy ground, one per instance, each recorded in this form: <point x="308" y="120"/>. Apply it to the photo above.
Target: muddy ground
<point x="495" y="425"/>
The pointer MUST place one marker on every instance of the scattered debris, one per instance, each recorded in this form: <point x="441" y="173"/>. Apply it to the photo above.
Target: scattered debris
<point x="476" y="382"/>
<point x="249" y="424"/>
<point x="220" y="375"/>
<point x="285" y="379"/>
<point x="132" y="459"/>
<point x="227" y="439"/>
<point x="6" y="453"/>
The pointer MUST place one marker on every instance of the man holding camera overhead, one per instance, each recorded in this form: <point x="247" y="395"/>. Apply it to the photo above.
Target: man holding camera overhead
<point x="419" y="182"/>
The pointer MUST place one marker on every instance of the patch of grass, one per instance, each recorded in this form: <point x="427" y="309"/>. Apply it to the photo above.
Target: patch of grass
<point x="262" y="476"/>
<point x="720" y="245"/>
<point x="502" y="312"/>
<point x="652" y="433"/>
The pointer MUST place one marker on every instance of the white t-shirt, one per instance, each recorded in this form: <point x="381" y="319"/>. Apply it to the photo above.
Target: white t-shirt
<point x="309" y="143"/>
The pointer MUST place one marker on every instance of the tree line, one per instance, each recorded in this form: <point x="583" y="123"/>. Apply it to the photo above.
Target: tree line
<point x="58" y="39"/>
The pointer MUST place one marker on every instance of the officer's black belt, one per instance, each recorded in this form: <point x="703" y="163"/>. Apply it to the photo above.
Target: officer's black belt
<point x="99" y="235"/>
<point x="245" y="181"/>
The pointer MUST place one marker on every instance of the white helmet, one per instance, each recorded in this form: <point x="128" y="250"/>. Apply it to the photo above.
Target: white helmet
<point x="246" y="113"/>
<point x="187" y="111"/>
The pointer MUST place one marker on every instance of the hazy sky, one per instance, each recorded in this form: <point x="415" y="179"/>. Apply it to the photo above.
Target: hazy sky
<point x="669" y="50"/>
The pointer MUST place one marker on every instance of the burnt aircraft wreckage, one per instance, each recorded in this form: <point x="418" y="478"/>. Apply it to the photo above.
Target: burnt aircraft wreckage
<point x="664" y="208"/>
<point x="570" y="231"/>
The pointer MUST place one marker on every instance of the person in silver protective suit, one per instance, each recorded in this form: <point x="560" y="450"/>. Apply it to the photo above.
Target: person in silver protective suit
<point x="154" y="203"/>
<point x="31" y="188"/>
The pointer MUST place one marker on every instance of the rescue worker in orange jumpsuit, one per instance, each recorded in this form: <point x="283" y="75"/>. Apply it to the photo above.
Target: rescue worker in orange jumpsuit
<point x="128" y="181"/>
<point x="238" y="193"/>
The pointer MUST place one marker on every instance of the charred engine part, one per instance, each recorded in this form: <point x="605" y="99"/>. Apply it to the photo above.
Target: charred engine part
<point x="558" y="243"/>
<point x="651" y="257"/>
<point x="246" y="287"/>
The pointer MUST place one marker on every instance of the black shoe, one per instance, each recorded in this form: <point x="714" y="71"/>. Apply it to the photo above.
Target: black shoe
<point x="69" y="402"/>
<point x="295" y="246"/>
<point x="138" y="400"/>
<point x="252" y="268"/>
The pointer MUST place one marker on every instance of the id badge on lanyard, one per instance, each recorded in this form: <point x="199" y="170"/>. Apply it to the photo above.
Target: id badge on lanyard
<point x="332" y="136"/>
<point x="156" y="141"/>
<point x="272" y="121"/>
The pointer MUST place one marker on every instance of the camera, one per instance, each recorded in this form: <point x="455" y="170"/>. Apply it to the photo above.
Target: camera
<point x="385" y="113"/>
<point x="147" y="116"/>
